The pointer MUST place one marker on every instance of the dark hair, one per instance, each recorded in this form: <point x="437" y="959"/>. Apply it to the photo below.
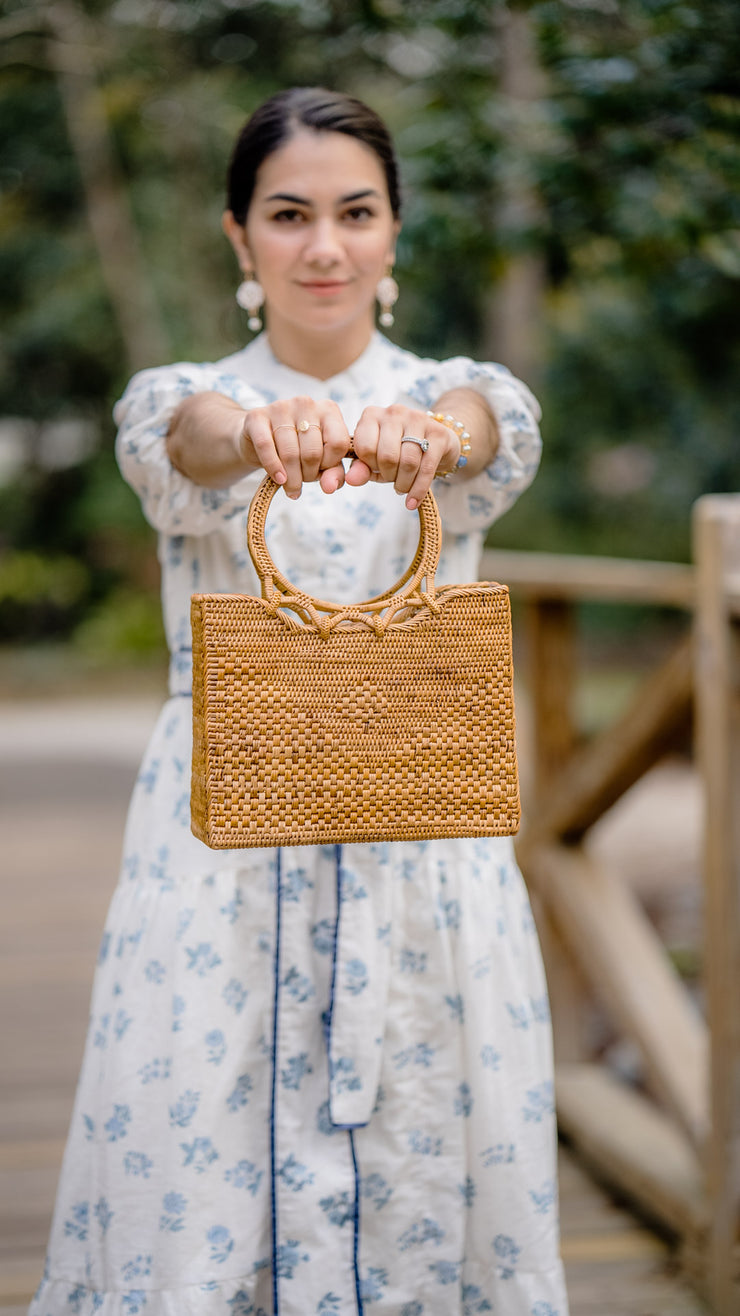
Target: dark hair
<point x="275" y="121"/>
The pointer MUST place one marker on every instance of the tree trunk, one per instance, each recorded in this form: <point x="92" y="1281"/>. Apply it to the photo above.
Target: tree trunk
<point x="71" y="56"/>
<point x="513" y="318"/>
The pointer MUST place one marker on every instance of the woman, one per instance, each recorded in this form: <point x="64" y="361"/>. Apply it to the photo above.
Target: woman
<point x="214" y="1163"/>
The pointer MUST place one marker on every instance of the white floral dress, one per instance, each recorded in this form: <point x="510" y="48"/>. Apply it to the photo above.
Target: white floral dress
<point x="318" y="1081"/>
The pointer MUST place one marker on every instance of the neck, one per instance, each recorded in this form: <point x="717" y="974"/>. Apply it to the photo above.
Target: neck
<point x="320" y="355"/>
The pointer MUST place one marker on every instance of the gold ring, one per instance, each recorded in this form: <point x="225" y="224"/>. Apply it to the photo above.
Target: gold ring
<point x="286" y="425"/>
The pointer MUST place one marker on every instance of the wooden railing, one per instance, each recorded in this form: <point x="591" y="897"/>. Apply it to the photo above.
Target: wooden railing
<point x="676" y="1153"/>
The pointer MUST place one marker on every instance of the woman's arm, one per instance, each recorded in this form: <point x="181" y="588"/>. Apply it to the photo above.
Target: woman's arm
<point x="206" y="441"/>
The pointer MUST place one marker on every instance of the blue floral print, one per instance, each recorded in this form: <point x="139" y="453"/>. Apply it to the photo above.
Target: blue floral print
<point x="215" y="1046"/>
<point x="172" y="1218"/>
<point x="240" y="1094"/>
<point x="245" y="1175"/>
<point x="374" y="1283"/>
<point x="447" y="1272"/>
<point x="421" y="1232"/>
<point x="339" y="1209"/>
<point x="181" y="1114"/>
<point x="235" y="995"/>
<point x="328" y="1305"/>
<point x="202" y="958"/>
<point x="295" y="1176"/>
<point x="507" y="1251"/>
<point x="295" y="1069"/>
<point x="103" y="1213"/>
<point x="222" y="1244"/>
<point x="199" y="1154"/>
<point x="376" y="1189"/>
<point x="463" y="1100"/>
<point x="474" y="1301"/>
<point x="117" y="1126"/>
<point x="138" y="1163"/>
<point x="76" y="1225"/>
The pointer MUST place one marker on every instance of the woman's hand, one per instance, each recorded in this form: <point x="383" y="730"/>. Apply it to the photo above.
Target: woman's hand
<point x="215" y="442"/>
<point x="386" y="453"/>
<point x="297" y="441"/>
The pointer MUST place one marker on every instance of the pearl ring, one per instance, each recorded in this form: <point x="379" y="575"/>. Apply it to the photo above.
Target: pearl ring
<point x="301" y="428"/>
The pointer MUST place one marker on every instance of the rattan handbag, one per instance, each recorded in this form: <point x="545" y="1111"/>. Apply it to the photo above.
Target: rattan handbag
<point x="389" y="720"/>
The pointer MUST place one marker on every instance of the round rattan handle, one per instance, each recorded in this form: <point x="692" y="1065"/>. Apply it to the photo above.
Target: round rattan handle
<point x="422" y="567"/>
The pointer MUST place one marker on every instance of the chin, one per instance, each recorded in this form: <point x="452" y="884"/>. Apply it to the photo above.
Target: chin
<point x="322" y="320"/>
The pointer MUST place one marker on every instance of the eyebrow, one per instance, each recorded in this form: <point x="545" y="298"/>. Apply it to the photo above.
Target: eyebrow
<point x="343" y="201"/>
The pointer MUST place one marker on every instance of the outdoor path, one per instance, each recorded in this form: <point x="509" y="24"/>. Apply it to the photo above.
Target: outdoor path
<point x="66" y="770"/>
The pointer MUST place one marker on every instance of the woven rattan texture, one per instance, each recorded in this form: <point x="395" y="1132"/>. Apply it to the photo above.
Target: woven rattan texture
<point x="404" y="732"/>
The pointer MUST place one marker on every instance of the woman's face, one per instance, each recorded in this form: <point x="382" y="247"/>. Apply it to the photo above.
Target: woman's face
<point x="319" y="233"/>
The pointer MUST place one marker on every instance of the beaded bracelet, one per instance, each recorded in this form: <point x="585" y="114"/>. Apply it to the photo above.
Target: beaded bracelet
<point x="463" y="437"/>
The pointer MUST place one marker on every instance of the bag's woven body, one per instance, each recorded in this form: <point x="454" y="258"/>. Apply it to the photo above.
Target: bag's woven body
<point x="389" y="721"/>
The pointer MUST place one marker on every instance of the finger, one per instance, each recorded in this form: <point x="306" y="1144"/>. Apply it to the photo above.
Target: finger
<point x="332" y="478"/>
<point x="311" y="449"/>
<point x="423" y="480"/>
<point x="360" y="473"/>
<point x="365" y="439"/>
<point x="285" y="438"/>
<point x="258" y="431"/>
<point x="336" y="436"/>
<point x="409" y="463"/>
<point x="390" y="450"/>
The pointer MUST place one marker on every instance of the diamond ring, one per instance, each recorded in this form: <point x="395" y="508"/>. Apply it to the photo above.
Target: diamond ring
<point x="411" y="438"/>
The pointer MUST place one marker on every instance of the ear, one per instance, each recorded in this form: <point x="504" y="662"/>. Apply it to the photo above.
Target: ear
<point x="237" y="237"/>
<point x="391" y="257"/>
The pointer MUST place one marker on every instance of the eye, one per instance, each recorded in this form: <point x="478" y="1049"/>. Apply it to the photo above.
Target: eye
<point x="359" y="213"/>
<point x="288" y="216"/>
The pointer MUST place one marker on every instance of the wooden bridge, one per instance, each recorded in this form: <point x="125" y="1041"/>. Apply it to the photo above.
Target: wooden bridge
<point x="674" y="1151"/>
<point x="670" y="1149"/>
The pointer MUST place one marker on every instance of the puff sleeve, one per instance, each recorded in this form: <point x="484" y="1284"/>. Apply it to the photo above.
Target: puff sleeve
<point x="171" y="502"/>
<point x="467" y="505"/>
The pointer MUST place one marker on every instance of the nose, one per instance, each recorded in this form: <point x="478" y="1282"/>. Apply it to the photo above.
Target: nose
<point x="324" y="246"/>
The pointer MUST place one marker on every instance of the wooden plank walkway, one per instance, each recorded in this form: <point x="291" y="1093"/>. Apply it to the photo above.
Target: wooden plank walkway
<point x="64" y="785"/>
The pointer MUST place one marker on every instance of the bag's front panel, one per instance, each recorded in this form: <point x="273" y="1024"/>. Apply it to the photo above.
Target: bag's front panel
<point x="358" y="737"/>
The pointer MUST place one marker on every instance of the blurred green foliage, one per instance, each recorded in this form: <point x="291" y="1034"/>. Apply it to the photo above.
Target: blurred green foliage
<point x="615" y="172"/>
<point x="127" y="623"/>
<point x="38" y="592"/>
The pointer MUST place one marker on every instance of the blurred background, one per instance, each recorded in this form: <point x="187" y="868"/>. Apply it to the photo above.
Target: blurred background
<point x="572" y="208"/>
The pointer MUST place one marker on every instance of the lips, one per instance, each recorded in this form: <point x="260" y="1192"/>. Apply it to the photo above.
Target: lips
<point x="324" y="286"/>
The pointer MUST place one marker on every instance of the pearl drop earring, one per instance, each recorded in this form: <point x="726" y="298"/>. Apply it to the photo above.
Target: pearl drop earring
<point x="251" y="296"/>
<point x="387" y="295"/>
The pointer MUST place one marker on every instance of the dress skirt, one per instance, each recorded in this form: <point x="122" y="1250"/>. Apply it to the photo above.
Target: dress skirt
<point x="317" y="1082"/>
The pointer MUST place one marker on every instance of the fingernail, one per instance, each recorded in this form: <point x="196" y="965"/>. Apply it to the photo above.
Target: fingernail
<point x="294" y="496"/>
<point x="412" y="504"/>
